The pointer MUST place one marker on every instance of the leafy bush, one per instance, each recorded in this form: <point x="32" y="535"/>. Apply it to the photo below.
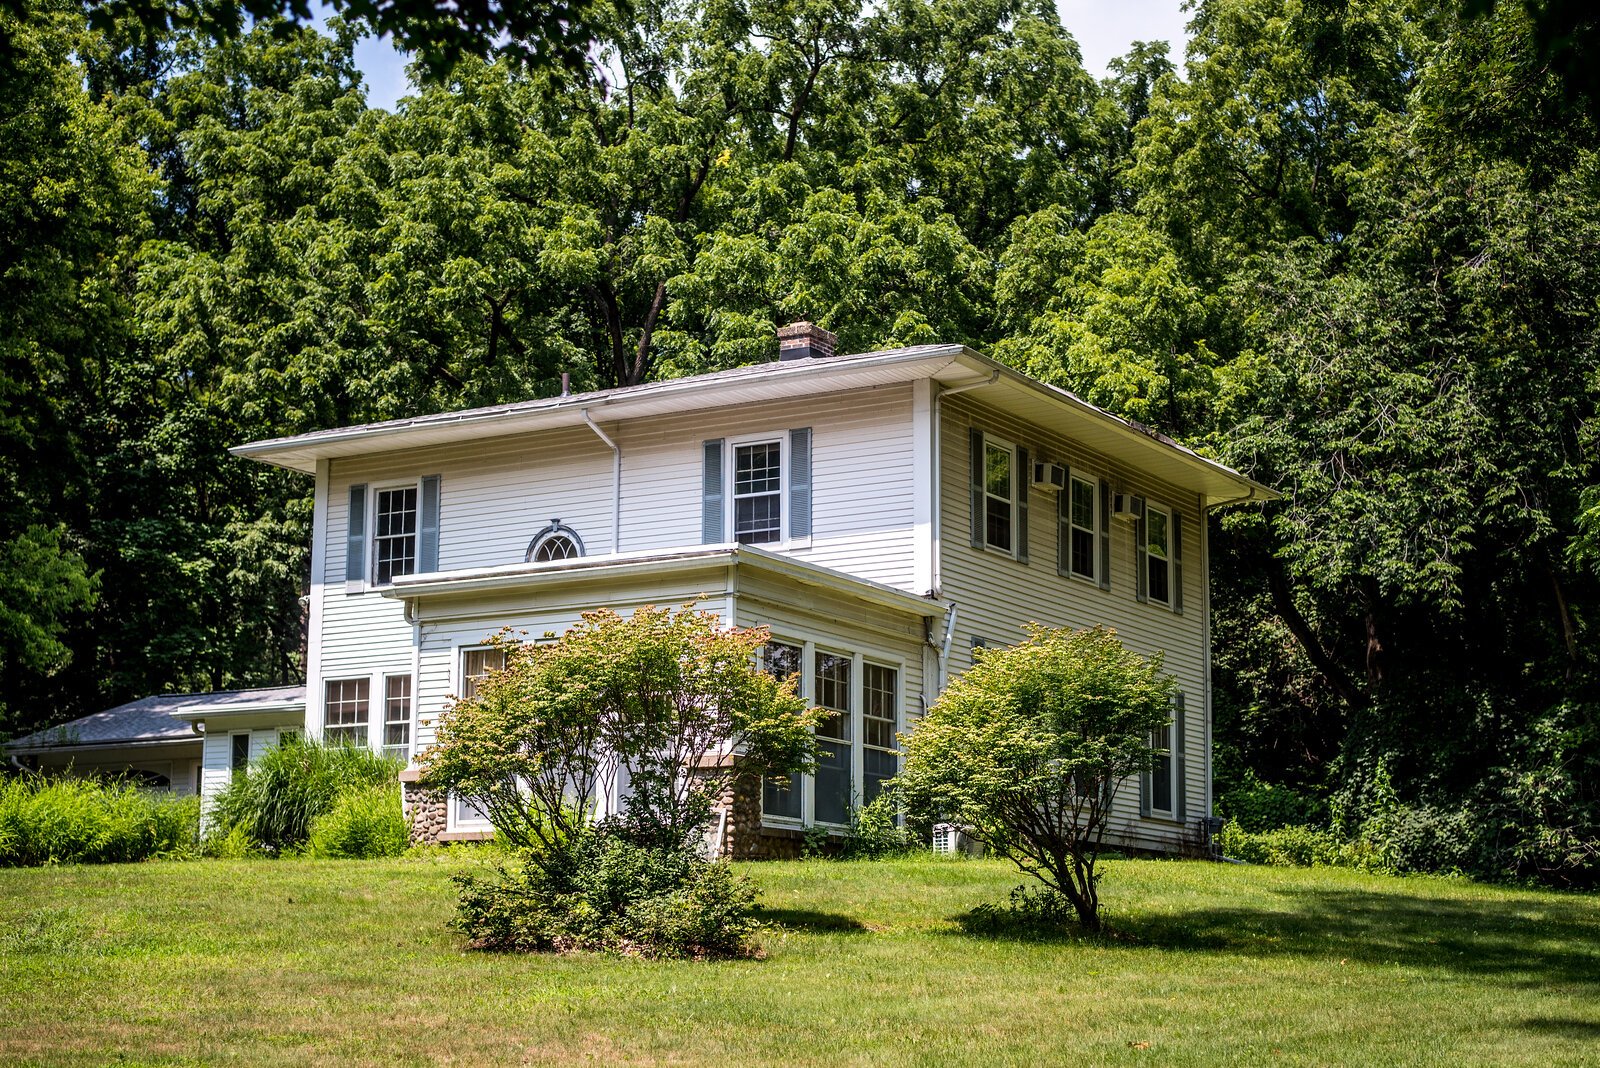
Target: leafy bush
<point x="610" y="894"/>
<point x="1289" y="847"/>
<point x="1262" y="806"/>
<point x="274" y="805"/>
<point x="89" y="821"/>
<point x="1030" y="748"/>
<point x="362" y="823"/>
<point x="1032" y="910"/>
<point x="875" y="832"/>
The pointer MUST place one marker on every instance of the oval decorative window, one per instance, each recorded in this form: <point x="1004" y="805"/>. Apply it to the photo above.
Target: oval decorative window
<point x="555" y="542"/>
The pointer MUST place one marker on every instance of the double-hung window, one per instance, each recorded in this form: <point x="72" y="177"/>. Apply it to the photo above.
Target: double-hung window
<point x="783" y="796"/>
<point x="397" y="716"/>
<point x="1162" y="771"/>
<point x="831" y="690"/>
<point x="1081" y="527"/>
<point x="1158" y="554"/>
<point x="880" y="694"/>
<point x="394" y="543"/>
<point x="477" y="665"/>
<point x="999" y="494"/>
<point x="758" y="493"/>
<point x="345" y="707"/>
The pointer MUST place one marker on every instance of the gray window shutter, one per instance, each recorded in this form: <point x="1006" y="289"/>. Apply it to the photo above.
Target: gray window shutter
<point x="1064" y="524"/>
<point x="1144" y="793"/>
<point x="977" y="489"/>
<point x="1179" y="756"/>
<point x="355" y="550"/>
<point x="1141" y="545"/>
<point x="712" y="525"/>
<point x="1105" y="536"/>
<point x="428" y="526"/>
<point x="1024" y="476"/>
<point x="800" y="483"/>
<point x="1177" y="562"/>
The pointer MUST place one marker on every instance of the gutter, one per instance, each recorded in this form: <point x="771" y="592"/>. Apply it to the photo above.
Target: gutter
<point x="90" y="747"/>
<point x="616" y="481"/>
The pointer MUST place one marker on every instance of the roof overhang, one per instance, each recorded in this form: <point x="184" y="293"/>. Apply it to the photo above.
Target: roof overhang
<point x="779" y="380"/>
<point x="948" y="366"/>
<point x="90" y="747"/>
<point x="662" y="563"/>
<point x="237" y="710"/>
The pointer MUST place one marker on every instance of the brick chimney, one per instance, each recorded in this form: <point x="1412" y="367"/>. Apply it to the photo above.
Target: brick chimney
<point x="805" y="341"/>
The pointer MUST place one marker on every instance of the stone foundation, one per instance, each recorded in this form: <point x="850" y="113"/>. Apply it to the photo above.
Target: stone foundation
<point x="743" y="836"/>
<point x="426" y="812"/>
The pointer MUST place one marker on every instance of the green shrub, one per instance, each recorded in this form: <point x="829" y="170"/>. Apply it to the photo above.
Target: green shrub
<point x="1262" y="806"/>
<point x="606" y="893"/>
<point x="362" y="824"/>
<point x="1031" y="911"/>
<point x="875" y="832"/>
<point x="276" y="802"/>
<point x="88" y="821"/>
<point x="1296" y="847"/>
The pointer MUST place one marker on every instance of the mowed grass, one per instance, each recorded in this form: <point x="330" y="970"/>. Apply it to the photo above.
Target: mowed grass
<point x="293" y="962"/>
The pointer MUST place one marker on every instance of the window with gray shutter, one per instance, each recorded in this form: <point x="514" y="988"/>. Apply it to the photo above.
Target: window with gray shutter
<point x="711" y="520"/>
<point x="1177" y="562"/>
<point x="1105" y="536"/>
<point x="428" y="526"/>
<point x="977" y="488"/>
<point x="1140" y="576"/>
<point x="1179" y="756"/>
<point x="355" y="552"/>
<point x="800" y="483"/>
<point x="1024" y="475"/>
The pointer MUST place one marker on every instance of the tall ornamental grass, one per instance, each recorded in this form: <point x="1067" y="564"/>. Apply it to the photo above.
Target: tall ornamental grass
<point x="274" y="806"/>
<point x="90" y="821"/>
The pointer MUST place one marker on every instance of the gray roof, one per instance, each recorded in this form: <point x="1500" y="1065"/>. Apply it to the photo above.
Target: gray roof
<point x="152" y="720"/>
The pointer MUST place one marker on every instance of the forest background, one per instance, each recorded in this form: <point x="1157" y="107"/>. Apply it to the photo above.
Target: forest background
<point x="1350" y="248"/>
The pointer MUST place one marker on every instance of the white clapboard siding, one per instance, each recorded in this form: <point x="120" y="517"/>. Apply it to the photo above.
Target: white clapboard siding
<point x="496" y="495"/>
<point x="862" y="487"/>
<point x="471" y="621"/>
<point x="995" y="595"/>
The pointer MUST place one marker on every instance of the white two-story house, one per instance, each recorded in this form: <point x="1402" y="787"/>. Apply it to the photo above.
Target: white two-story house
<point x="885" y="514"/>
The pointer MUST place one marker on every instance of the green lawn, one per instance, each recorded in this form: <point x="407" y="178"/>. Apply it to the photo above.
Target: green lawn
<point x="259" y="962"/>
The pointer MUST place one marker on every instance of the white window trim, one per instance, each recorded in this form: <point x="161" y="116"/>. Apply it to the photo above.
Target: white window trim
<point x="232" y="771"/>
<point x="730" y="447"/>
<point x="1172" y="773"/>
<point x="374" y="686"/>
<point x="458" y="666"/>
<point x="1153" y="506"/>
<point x="811" y="643"/>
<point x="384" y="721"/>
<point x="1094" y="482"/>
<point x="999" y="442"/>
<point x="372" y="534"/>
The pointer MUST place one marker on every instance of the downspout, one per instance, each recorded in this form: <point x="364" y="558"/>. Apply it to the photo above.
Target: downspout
<point x="944" y="647"/>
<point x="938" y="479"/>
<point x="616" y="482"/>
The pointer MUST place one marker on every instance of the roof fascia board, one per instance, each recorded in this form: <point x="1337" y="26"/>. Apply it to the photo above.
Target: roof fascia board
<point x="194" y="712"/>
<point x="1143" y="438"/>
<point x="299" y="452"/>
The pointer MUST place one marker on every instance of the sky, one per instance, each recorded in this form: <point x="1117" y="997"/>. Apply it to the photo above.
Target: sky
<point x="1104" y="29"/>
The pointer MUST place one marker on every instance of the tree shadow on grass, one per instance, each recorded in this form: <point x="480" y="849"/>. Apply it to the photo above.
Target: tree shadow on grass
<point x="810" y="920"/>
<point x="1522" y="940"/>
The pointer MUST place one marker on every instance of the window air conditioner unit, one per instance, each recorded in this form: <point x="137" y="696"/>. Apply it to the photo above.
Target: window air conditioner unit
<point x="951" y="839"/>
<point x="1124" y="507"/>
<point x="1049" y="474"/>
